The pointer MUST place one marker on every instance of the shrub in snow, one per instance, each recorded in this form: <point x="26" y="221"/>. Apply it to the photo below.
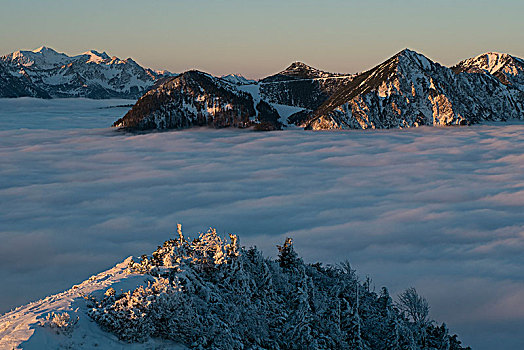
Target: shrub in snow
<point x="210" y="293"/>
<point x="61" y="323"/>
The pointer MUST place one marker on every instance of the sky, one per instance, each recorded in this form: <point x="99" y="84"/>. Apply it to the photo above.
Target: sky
<point x="439" y="209"/>
<point x="258" y="38"/>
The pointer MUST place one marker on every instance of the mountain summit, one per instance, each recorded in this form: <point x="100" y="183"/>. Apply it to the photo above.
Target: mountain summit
<point x="299" y="70"/>
<point x="96" y="57"/>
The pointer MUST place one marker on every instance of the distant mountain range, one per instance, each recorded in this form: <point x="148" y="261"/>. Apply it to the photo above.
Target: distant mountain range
<point x="407" y="90"/>
<point x="45" y="73"/>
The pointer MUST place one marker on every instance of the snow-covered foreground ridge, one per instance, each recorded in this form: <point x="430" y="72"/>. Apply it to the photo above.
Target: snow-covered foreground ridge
<point x="211" y="293"/>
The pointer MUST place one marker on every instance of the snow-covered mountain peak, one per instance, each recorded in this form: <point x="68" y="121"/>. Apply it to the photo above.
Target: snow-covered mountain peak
<point x="43" y="57"/>
<point x="297" y="65"/>
<point x="301" y="70"/>
<point x="411" y="90"/>
<point x="408" y="52"/>
<point x="96" y="57"/>
<point x="492" y="62"/>
<point x="237" y="79"/>
<point x="410" y="57"/>
<point x="44" y="49"/>
<point x="507" y="68"/>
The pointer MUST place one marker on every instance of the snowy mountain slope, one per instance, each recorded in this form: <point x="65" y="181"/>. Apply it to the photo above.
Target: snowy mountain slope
<point x="12" y="85"/>
<point x="211" y="293"/>
<point x="284" y="111"/>
<point x="31" y="326"/>
<point x="91" y="74"/>
<point x="410" y="90"/>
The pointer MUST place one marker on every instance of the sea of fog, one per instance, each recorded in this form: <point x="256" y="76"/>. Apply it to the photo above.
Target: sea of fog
<point x="440" y="209"/>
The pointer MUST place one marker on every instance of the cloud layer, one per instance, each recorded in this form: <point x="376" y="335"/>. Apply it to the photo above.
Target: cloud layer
<point x="435" y="208"/>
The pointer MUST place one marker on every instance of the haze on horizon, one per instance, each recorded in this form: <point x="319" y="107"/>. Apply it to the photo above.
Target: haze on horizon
<point x="257" y="38"/>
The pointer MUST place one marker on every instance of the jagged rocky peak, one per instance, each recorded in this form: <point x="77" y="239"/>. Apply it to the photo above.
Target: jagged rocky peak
<point x="298" y="71"/>
<point x="507" y="68"/>
<point x="238" y="79"/>
<point x="44" y="49"/>
<point x="408" y="56"/>
<point x="491" y="62"/>
<point x="96" y="57"/>
<point x="383" y="78"/>
<point x="42" y="57"/>
<point x="303" y="86"/>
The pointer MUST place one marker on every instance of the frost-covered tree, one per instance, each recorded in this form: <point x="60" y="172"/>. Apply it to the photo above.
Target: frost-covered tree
<point x="414" y="306"/>
<point x="287" y="257"/>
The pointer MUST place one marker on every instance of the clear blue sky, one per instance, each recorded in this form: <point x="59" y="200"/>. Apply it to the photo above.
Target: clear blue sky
<point x="257" y="38"/>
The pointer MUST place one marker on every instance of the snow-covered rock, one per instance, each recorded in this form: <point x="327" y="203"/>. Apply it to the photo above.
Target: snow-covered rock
<point x="46" y="73"/>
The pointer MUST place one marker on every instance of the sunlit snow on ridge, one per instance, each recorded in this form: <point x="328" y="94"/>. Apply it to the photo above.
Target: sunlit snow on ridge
<point x="436" y="208"/>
